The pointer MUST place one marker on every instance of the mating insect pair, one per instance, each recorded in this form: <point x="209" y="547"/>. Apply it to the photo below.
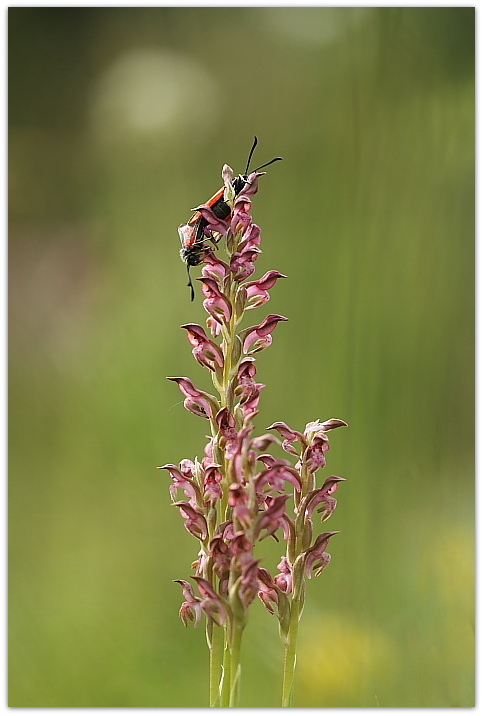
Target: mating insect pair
<point x="193" y="234"/>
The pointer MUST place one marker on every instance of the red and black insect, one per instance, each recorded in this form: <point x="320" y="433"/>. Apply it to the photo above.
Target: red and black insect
<point x="192" y="234"/>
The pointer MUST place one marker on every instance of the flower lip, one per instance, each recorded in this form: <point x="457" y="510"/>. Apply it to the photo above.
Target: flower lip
<point x="196" y="397"/>
<point x="206" y="351"/>
<point x="286" y="431"/>
<point x="260" y="336"/>
<point x="189" y="389"/>
<point x="214" y="267"/>
<point x="323" y="495"/>
<point x="251" y="237"/>
<point x="195" y="328"/>
<point x="257" y="292"/>
<point x="317" y="427"/>
<point x="242" y="263"/>
<point x="277" y="472"/>
<point x="216" y="303"/>
<point x="191" y="607"/>
<point x="270" y="322"/>
<point x="195" y="522"/>
<point x="181" y="481"/>
<point x="272" y="518"/>
<point x="316" y="558"/>
<point x="267" y="281"/>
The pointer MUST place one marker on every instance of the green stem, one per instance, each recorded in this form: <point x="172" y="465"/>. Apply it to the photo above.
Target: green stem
<point x="216" y="644"/>
<point x="226" y="683"/>
<point x="235" y="667"/>
<point x="225" y="692"/>
<point x="290" y="656"/>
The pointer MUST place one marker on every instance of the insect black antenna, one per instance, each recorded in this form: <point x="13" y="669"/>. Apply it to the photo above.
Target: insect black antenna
<point x="255" y="142"/>
<point x="277" y="159"/>
<point x="190" y="283"/>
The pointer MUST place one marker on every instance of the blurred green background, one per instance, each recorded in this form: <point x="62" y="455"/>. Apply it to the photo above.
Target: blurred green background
<point x="120" y="122"/>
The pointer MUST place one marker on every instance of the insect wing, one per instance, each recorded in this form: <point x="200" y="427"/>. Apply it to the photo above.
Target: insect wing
<point x="216" y="197"/>
<point x="188" y="233"/>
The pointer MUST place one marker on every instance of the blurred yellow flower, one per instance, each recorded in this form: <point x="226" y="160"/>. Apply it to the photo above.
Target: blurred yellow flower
<point x="340" y="658"/>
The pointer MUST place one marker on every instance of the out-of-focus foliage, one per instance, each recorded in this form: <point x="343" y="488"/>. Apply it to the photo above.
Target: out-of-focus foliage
<point x="120" y="122"/>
